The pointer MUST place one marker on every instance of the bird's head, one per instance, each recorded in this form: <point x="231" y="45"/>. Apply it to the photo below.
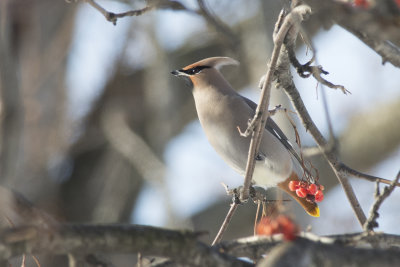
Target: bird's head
<point x="204" y="69"/>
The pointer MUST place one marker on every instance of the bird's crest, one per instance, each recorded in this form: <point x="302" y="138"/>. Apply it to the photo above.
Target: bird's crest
<point x="213" y="62"/>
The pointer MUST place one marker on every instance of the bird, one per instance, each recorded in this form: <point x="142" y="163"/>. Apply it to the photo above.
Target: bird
<point x="222" y="111"/>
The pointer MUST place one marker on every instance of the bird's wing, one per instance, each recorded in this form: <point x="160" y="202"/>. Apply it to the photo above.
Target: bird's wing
<point x="274" y="129"/>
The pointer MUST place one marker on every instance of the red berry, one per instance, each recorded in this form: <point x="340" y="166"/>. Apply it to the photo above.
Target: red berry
<point x="281" y="224"/>
<point x="321" y="187"/>
<point x="312" y="189"/>
<point x="304" y="184"/>
<point x="275" y="227"/>
<point x="293" y="185"/>
<point x="264" y="226"/>
<point x="319" y="196"/>
<point x="361" y="3"/>
<point x="287" y="227"/>
<point x="301" y="192"/>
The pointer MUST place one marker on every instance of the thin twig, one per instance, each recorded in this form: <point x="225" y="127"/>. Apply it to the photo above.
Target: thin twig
<point x="290" y="22"/>
<point x="349" y="171"/>
<point x="71" y="260"/>
<point x="226" y="222"/>
<point x="256" y="218"/>
<point x="307" y="69"/>
<point x="155" y="4"/>
<point x="285" y="81"/>
<point x="371" y="223"/>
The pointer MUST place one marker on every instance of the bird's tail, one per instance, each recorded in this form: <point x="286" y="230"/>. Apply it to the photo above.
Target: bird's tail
<point x="310" y="207"/>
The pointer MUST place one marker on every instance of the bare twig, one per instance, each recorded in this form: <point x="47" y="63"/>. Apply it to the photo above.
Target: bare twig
<point x="285" y="81"/>
<point x="307" y="69"/>
<point x="71" y="260"/>
<point x="371" y="223"/>
<point x="351" y="172"/>
<point x="235" y="202"/>
<point x="226" y="222"/>
<point x="153" y="4"/>
<point x="285" y="25"/>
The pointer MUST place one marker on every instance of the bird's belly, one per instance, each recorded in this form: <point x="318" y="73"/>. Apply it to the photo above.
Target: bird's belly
<point x="267" y="175"/>
<point x="233" y="148"/>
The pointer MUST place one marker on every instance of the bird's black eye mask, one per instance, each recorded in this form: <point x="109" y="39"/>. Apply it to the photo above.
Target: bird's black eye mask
<point x="194" y="70"/>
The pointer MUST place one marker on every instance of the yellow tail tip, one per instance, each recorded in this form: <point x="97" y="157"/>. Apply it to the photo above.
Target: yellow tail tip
<point x="314" y="212"/>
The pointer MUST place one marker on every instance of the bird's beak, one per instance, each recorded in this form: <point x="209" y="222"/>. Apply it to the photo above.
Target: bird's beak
<point x="178" y="73"/>
<point x="184" y="76"/>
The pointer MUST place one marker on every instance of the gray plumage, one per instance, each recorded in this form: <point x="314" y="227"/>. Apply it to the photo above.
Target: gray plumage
<point x="222" y="112"/>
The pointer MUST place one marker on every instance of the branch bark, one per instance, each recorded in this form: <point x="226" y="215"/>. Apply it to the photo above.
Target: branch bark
<point x="377" y="27"/>
<point x="181" y="246"/>
<point x="304" y="252"/>
<point x="285" y="81"/>
<point x="286" y="28"/>
<point x="153" y="4"/>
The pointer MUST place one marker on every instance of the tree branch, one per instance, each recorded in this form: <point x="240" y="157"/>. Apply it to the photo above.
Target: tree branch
<point x="371" y="223"/>
<point x="181" y="246"/>
<point x="377" y="27"/>
<point x="286" y="27"/>
<point x="304" y="252"/>
<point x="387" y="50"/>
<point x="285" y="81"/>
<point x="255" y="247"/>
<point x="152" y="4"/>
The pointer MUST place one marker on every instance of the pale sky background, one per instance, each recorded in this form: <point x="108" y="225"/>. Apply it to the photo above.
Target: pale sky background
<point x="191" y="161"/>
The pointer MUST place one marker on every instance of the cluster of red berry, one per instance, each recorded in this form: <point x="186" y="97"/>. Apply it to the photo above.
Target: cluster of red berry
<point x="278" y="225"/>
<point x="368" y="3"/>
<point x="312" y="192"/>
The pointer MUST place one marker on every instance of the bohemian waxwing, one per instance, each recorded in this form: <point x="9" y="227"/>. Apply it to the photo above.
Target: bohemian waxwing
<point x="221" y="111"/>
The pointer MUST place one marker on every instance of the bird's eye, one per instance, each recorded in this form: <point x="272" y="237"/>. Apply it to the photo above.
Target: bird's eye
<point x="195" y="70"/>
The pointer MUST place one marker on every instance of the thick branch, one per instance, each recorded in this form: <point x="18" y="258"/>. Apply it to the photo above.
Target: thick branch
<point x="379" y="24"/>
<point x="181" y="246"/>
<point x="255" y="247"/>
<point x="387" y="50"/>
<point x="304" y="252"/>
<point x="378" y="27"/>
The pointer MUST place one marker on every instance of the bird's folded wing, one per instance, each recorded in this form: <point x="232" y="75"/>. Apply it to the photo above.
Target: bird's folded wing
<point x="274" y="129"/>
